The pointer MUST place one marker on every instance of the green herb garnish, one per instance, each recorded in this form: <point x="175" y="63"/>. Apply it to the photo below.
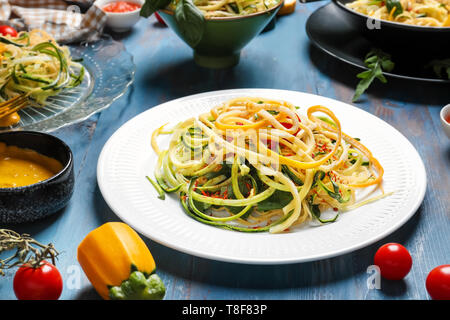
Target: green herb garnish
<point x="151" y="6"/>
<point x="189" y="18"/>
<point x="441" y="68"/>
<point x="191" y="21"/>
<point x="376" y="61"/>
<point x="391" y="4"/>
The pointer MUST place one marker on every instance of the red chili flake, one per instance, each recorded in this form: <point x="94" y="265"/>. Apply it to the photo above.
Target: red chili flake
<point x="335" y="209"/>
<point x="195" y="185"/>
<point x="313" y="156"/>
<point x="287" y="125"/>
<point x="239" y="123"/>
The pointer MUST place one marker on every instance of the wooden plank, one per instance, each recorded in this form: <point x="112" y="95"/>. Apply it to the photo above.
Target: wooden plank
<point x="282" y="59"/>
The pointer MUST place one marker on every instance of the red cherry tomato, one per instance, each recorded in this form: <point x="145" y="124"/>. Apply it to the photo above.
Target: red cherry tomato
<point x="438" y="282"/>
<point x="394" y="261"/>
<point x="160" y="20"/>
<point x="42" y="283"/>
<point x="8" y="31"/>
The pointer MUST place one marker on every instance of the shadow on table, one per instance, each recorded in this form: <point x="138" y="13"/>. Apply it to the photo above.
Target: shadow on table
<point x="309" y="274"/>
<point x="410" y="91"/>
<point x="235" y="275"/>
<point x="186" y="78"/>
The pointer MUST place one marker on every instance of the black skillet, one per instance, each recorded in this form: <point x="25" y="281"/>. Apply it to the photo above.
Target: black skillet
<point x="329" y="29"/>
<point x="433" y="42"/>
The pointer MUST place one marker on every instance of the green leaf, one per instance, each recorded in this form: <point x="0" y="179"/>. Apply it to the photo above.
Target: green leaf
<point x="391" y="4"/>
<point x="151" y="6"/>
<point x="278" y="200"/>
<point x="376" y="61"/>
<point x="439" y="67"/>
<point x="190" y="21"/>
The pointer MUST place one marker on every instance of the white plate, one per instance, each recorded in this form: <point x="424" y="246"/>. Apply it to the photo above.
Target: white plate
<point x="127" y="158"/>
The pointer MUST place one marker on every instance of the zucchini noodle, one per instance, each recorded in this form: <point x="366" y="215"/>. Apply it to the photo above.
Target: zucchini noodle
<point x="254" y="164"/>
<point x="229" y="8"/>
<point x="430" y="13"/>
<point x="34" y="64"/>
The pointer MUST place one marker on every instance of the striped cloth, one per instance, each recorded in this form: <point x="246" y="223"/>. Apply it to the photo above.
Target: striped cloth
<point x="62" y="19"/>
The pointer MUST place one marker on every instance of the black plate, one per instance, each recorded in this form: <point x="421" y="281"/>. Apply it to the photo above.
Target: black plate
<point x="331" y="31"/>
<point x="402" y="37"/>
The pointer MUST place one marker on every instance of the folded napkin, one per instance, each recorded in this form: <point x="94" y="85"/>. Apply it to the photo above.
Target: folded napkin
<point x="62" y="19"/>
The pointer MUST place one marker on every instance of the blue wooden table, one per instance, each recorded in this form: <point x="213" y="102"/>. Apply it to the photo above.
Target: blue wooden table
<point x="283" y="59"/>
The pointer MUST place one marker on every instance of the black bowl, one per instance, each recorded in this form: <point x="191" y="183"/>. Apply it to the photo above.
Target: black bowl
<point x="39" y="200"/>
<point x="434" y="42"/>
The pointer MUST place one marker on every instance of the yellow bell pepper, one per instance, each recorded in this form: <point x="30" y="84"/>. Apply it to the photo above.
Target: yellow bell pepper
<point x="118" y="264"/>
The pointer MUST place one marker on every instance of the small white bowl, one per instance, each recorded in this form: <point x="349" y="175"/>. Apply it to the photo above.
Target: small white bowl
<point x="120" y="21"/>
<point x="445" y="113"/>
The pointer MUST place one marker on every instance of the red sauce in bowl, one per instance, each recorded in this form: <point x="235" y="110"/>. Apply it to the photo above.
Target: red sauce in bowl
<point x="447" y="118"/>
<point x="121" y="6"/>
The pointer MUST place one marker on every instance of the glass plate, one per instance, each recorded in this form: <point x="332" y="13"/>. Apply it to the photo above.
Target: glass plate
<point x="109" y="71"/>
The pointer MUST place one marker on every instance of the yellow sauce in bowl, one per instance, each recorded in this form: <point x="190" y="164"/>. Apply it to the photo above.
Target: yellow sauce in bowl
<point x="22" y="167"/>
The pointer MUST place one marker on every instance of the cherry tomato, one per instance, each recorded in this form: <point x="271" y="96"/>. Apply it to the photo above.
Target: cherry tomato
<point x="42" y="283"/>
<point x="394" y="261"/>
<point x="160" y="20"/>
<point x="438" y="282"/>
<point x="8" y="31"/>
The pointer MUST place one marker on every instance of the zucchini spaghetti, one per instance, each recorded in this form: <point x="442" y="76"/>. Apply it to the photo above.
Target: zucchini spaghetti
<point x="430" y="13"/>
<point x="253" y="165"/>
<point x="34" y="64"/>
<point x="229" y="8"/>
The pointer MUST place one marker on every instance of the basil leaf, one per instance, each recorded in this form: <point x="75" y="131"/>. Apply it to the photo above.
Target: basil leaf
<point x="440" y="67"/>
<point x="376" y="61"/>
<point x="391" y="4"/>
<point x="150" y="6"/>
<point x="278" y="200"/>
<point x="190" y="21"/>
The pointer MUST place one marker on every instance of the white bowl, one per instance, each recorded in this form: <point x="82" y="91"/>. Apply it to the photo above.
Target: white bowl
<point x="123" y="21"/>
<point x="445" y="113"/>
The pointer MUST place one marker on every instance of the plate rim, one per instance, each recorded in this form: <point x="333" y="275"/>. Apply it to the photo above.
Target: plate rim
<point x="257" y="261"/>
<point x="359" y="66"/>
